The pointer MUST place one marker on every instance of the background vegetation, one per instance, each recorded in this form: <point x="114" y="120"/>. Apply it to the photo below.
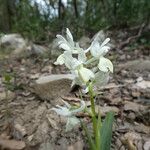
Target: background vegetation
<point x="40" y="21"/>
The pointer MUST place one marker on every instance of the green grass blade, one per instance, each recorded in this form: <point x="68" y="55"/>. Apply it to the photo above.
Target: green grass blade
<point x="106" y="132"/>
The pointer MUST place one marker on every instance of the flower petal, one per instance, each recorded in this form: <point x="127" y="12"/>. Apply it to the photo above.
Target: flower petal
<point x="70" y="62"/>
<point x="65" y="46"/>
<point x="105" y="42"/>
<point x="85" y="74"/>
<point x="81" y="56"/>
<point x="63" y="43"/>
<point x="105" y="65"/>
<point x="103" y="50"/>
<point x="63" y="111"/>
<point x="60" y="60"/>
<point x="69" y="35"/>
<point x="60" y="39"/>
<point x="94" y="49"/>
<point x="81" y="108"/>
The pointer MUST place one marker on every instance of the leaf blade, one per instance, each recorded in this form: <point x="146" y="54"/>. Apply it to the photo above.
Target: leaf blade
<point x="106" y="132"/>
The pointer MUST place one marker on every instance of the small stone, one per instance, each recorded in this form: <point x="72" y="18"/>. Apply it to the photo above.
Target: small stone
<point x="139" y="79"/>
<point x="46" y="146"/>
<point x="10" y="95"/>
<point x="131" y="106"/>
<point x="147" y="145"/>
<point x="30" y="138"/>
<point x="53" y="86"/>
<point x="38" y="49"/>
<point x="135" y="94"/>
<point x="131" y="116"/>
<point x="143" y="84"/>
<point x="54" y="77"/>
<point x="19" y="130"/>
<point x="76" y="146"/>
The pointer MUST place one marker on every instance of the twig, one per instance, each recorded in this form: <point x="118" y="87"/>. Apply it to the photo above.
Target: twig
<point x="123" y="44"/>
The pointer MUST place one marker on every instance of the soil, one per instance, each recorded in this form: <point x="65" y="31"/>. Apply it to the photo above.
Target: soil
<point x="26" y="117"/>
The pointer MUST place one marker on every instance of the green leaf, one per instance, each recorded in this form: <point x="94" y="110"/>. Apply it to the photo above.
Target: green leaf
<point x="89" y="138"/>
<point x="98" y="136"/>
<point x="106" y="132"/>
<point x="7" y="77"/>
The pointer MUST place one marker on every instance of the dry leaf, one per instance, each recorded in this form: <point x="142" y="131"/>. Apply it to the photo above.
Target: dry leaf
<point x="76" y="146"/>
<point x="129" y="140"/>
<point x="12" y="144"/>
<point x="143" y="84"/>
<point x="20" y="129"/>
<point x="131" y="106"/>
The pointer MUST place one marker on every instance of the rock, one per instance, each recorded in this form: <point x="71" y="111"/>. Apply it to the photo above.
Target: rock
<point x="131" y="106"/>
<point x="136" y="65"/>
<point x="76" y="146"/>
<point x="54" y="77"/>
<point x="46" y="146"/>
<point x="53" y="86"/>
<point x="18" y="46"/>
<point x="131" y="116"/>
<point x="35" y="49"/>
<point x="143" y="84"/>
<point x="13" y="42"/>
<point x="54" y="50"/>
<point x="147" y="145"/>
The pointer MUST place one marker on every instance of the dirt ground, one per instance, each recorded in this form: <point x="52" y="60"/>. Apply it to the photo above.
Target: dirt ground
<point x="26" y="121"/>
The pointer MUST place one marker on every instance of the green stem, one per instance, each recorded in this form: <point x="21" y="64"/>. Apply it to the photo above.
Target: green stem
<point x="94" y="120"/>
<point x="91" y="93"/>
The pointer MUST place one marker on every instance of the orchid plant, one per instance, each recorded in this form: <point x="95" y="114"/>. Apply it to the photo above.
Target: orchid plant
<point x="91" y="69"/>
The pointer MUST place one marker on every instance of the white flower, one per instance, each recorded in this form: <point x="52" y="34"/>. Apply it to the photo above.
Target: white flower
<point x="69" y="113"/>
<point x="67" y="43"/>
<point x="105" y="65"/>
<point x="85" y="74"/>
<point x="76" y="65"/>
<point x="98" y="52"/>
<point x="60" y="60"/>
<point x="82" y="74"/>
